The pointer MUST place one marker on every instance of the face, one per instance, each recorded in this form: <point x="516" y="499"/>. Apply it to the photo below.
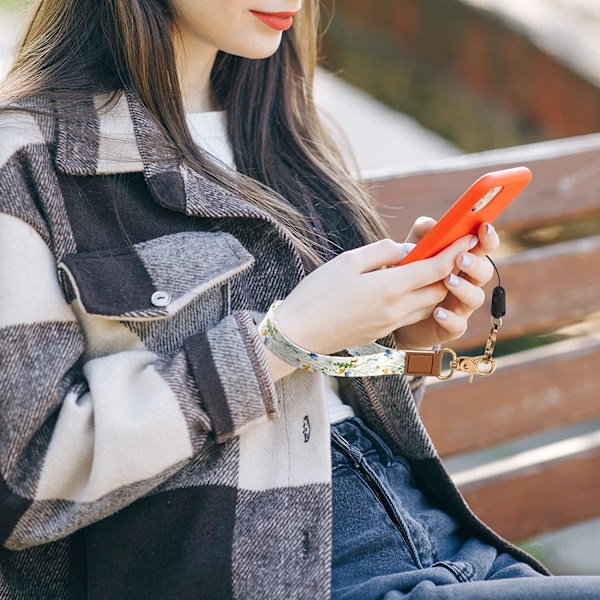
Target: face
<point x="231" y="26"/>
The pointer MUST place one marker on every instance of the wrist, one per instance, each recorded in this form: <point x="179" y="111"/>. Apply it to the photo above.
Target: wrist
<point x="277" y="367"/>
<point x="295" y="329"/>
<point x="369" y="359"/>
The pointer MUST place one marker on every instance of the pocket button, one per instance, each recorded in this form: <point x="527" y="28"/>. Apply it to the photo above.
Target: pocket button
<point x="160" y="298"/>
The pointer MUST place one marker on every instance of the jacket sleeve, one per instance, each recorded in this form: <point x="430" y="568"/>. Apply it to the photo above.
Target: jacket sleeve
<point x="83" y="436"/>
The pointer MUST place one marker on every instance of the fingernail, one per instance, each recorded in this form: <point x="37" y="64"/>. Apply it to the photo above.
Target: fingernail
<point x="408" y="247"/>
<point x="465" y="260"/>
<point x="440" y="314"/>
<point x="453" y="280"/>
<point x="473" y="243"/>
<point x="489" y="229"/>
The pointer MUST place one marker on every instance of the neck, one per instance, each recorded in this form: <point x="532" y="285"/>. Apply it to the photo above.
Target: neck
<point x="194" y="63"/>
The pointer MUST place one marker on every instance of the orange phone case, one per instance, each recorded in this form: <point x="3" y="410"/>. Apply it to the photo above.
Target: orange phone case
<point x="495" y="191"/>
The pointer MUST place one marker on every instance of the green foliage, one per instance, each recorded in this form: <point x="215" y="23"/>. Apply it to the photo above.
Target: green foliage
<point x="536" y="550"/>
<point x="526" y="342"/>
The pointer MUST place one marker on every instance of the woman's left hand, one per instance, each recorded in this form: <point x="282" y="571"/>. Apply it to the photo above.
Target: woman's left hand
<point x="464" y="294"/>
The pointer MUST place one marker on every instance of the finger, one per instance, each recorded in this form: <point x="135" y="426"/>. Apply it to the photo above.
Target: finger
<point x="422" y="273"/>
<point x="475" y="269"/>
<point x="465" y="298"/>
<point x="454" y="324"/>
<point x="416" y="316"/>
<point x="423" y="299"/>
<point x="488" y="239"/>
<point x="373" y="256"/>
<point x="420" y="227"/>
<point x="421" y="306"/>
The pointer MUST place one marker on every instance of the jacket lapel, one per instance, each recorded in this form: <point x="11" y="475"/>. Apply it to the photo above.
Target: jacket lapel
<point x="126" y="139"/>
<point x="176" y="186"/>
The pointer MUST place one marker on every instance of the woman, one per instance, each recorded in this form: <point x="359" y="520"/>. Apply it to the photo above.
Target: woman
<point x="164" y="177"/>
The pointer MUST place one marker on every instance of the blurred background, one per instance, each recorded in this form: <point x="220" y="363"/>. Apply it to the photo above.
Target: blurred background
<point x="428" y="95"/>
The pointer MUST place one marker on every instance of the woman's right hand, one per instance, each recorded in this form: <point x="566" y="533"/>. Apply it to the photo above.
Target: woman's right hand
<point x="350" y="300"/>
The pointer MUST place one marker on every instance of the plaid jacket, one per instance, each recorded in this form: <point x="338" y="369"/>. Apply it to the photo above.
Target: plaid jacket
<point x="144" y="450"/>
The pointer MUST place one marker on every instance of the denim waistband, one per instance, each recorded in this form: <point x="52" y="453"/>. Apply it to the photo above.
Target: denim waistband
<point x="353" y="436"/>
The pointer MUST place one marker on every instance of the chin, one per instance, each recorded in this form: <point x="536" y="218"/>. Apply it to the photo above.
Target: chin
<point x="257" y="49"/>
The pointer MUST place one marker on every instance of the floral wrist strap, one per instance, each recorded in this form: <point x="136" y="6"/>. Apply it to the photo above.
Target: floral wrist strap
<point x="367" y="360"/>
<point x="374" y="359"/>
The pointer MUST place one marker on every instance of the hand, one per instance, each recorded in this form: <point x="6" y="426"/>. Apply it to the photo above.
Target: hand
<point x="450" y="318"/>
<point x="351" y="301"/>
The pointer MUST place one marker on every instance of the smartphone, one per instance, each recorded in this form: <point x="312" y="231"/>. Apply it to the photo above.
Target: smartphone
<point x="481" y="203"/>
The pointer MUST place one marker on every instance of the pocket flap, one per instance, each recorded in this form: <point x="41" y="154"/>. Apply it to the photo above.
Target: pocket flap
<point x="155" y="278"/>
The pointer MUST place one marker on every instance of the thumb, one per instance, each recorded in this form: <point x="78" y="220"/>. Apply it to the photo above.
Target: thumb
<point x="420" y="227"/>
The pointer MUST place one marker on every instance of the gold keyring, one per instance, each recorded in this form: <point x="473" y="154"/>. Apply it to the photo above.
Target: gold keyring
<point x="453" y="357"/>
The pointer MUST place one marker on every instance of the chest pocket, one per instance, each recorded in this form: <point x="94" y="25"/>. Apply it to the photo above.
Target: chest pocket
<point x="156" y="279"/>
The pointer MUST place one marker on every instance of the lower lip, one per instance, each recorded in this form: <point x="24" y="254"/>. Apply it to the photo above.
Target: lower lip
<point x="279" y="23"/>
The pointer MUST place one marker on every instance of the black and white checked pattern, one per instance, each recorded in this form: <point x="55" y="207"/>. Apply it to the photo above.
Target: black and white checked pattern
<point x="144" y="450"/>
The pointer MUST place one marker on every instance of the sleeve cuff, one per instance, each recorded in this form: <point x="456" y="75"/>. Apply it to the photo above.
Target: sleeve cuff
<point x="230" y="367"/>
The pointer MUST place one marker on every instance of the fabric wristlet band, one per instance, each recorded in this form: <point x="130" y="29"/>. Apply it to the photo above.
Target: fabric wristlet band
<point x="374" y="359"/>
<point x="365" y="361"/>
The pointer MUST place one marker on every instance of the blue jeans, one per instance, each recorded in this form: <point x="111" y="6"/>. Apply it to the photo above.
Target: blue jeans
<point x="389" y="542"/>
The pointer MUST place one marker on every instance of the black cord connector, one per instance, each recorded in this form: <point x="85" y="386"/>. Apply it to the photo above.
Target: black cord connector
<point x="498" y="309"/>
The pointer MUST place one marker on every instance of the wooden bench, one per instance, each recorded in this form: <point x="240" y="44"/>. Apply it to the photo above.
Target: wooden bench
<point x="548" y="287"/>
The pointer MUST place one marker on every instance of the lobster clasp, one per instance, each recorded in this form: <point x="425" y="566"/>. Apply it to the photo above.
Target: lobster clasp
<point x="476" y="365"/>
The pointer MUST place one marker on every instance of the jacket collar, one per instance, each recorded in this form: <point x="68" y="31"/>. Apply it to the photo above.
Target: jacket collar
<point x="125" y="139"/>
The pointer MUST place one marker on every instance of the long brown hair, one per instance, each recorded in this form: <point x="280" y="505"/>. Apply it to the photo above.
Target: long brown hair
<point x="282" y="150"/>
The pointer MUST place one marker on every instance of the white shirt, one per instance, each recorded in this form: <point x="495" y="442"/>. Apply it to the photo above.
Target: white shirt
<point x="209" y="130"/>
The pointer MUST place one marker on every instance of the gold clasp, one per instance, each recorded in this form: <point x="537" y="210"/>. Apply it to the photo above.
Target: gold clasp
<point x="473" y="365"/>
<point x="453" y="359"/>
<point x="476" y="365"/>
<point x="483" y="365"/>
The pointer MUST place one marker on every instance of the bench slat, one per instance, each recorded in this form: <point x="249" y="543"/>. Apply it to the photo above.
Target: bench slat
<point x="565" y="186"/>
<point x="532" y="391"/>
<point x="545" y="288"/>
<point x="540" y="495"/>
